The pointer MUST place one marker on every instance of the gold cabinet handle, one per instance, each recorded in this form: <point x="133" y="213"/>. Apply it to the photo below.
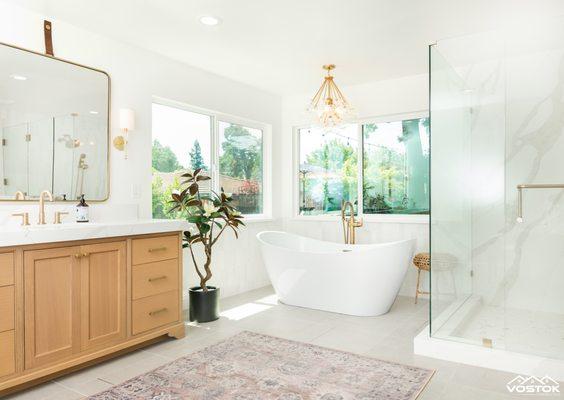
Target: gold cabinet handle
<point x="153" y="313"/>
<point x="77" y="255"/>
<point x="157" y="278"/>
<point x="155" y="249"/>
<point x="85" y="254"/>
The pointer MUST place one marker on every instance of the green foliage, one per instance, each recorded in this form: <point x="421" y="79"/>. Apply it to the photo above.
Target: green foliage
<point x="164" y="159"/>
<point x="395" y="182"/>
<point x="196" y="159"/>
<point x="242" y="153"/>
<point x="210" y="216"/>
<point x="340" y="160"/>
<point x="159" y="201"/>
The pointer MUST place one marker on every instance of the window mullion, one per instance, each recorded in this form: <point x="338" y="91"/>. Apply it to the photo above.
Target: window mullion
<point x="360" y="169"/>
<point x="215" y="154"/>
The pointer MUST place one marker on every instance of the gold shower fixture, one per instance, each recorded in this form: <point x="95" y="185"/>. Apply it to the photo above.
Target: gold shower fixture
<point x="329" y="106"/>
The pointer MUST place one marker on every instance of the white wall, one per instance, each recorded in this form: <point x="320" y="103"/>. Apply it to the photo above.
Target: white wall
<point x="138" y="75"/>
<point x="397" y="96"/>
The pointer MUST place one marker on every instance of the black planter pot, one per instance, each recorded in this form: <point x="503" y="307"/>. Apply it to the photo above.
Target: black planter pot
<point x="204" y="306"/>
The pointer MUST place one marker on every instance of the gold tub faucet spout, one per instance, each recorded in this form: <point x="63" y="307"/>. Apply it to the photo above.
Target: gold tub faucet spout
<point x="42" y="196"/>
<point x="350" y="223"/>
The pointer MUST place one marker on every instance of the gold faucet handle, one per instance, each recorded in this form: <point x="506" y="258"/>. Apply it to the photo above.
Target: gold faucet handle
<point x="358" y="223"/>
<point x="24" y="216"/>
<point x="59" y="215"/>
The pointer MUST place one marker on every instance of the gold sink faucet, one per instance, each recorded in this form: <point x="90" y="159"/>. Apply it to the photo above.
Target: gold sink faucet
<point x="349" y="223"/>
<point x="42" y="205"/>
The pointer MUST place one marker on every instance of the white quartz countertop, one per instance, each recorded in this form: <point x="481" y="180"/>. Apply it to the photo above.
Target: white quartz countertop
<point x="36" y="234"/>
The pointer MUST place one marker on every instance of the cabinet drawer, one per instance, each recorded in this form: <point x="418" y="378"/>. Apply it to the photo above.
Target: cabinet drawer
<point x="6" y="308"/>
<point x="154" y="311"/>
<point x="154" y="249"/>
<point x="6" y="269"/>
<point x="154" y="278"/>
<point x="7" y="353"/>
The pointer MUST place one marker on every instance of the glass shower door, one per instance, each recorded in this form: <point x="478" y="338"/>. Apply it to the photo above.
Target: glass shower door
<point x="534" y="269"/>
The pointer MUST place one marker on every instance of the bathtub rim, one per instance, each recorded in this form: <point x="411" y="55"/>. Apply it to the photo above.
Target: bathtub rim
<point x="339" y="247"/>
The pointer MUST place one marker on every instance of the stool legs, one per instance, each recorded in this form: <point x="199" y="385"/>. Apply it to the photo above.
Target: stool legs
<point x="418" y="291"/>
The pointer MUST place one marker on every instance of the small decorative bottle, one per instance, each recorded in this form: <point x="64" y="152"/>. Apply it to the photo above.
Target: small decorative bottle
<point x="82" y="210"/>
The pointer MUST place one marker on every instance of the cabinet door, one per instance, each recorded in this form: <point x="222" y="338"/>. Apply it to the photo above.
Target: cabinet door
<point x="52" y="304"/>
<point x="103" y="293"/>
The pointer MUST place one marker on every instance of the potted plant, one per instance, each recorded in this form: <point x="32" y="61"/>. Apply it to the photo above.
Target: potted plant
<point x="211" y="215"/>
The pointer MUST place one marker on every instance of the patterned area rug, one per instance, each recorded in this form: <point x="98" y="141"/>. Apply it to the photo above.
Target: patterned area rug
<point x="251" y="366"/>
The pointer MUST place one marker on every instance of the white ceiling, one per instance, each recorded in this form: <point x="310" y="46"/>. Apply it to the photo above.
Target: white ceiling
<point x="280" y="45"/>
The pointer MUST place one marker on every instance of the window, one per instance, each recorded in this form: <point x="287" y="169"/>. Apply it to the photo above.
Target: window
<point x="241" y="165"/>
<point x="183" y="140"/>
<point x="328" y="169"/>
<point x="394" y="165"/>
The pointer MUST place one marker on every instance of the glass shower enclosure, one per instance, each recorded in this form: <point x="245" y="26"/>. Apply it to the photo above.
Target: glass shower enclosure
<point x="497" y="189"/>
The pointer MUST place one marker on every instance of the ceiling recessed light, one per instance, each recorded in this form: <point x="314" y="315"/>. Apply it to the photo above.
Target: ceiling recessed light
<point x="94" y="112"/>
<point x="18" y="77"/>
<point x="209" y="20"/>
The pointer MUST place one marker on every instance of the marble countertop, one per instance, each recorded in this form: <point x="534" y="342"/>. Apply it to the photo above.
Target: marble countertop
<point x="35" y="234"/>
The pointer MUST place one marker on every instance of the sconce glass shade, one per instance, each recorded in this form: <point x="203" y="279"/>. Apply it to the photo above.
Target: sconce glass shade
<point x="126" y="119"/>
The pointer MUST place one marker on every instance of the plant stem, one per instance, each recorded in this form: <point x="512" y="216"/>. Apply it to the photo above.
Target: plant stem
<point x="219" y="234"/>
<point x="196" y="265"/>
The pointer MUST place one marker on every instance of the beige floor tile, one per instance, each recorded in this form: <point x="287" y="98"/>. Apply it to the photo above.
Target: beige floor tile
<point x="387" y="337"/>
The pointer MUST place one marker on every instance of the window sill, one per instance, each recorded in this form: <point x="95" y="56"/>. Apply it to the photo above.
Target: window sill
<point x="368" y="219"/>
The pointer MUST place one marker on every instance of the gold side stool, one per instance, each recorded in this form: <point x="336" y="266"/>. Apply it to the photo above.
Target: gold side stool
<point x="421" y="261"/>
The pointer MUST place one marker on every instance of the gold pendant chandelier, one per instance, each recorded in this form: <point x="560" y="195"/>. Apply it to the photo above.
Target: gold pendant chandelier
<point x="329" y="107"/>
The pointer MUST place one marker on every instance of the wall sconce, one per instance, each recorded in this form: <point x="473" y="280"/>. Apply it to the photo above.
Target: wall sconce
<point x="126" y="125"/>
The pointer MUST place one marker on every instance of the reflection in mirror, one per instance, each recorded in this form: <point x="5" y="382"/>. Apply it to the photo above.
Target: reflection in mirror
<point x="53" y="127"/>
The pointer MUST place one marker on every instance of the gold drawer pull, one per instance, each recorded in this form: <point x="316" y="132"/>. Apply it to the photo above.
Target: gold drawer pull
<point x="153" y="313"/>
<point x="157" y="278"/>
<point x="155" y="249"/>
<point x="77" y="255"/>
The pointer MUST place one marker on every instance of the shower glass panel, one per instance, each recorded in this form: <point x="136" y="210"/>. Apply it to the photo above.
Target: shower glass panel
<point x="451" y="280"/>
<point x="40" y="156"/>
<point x="497" y="107"/>
<point x="14" y="159"/>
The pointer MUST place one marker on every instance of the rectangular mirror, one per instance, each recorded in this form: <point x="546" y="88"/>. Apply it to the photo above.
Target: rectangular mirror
<point x="54" y="127"/>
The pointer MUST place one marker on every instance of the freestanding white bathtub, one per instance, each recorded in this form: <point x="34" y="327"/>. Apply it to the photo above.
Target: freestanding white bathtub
<point x="361" y="280"/>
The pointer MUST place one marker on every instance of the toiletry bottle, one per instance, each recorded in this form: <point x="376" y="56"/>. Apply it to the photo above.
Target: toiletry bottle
<point x="82" y="210"/>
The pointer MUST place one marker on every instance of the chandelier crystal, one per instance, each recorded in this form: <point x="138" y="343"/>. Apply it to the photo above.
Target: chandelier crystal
<point x="329" y="107"/>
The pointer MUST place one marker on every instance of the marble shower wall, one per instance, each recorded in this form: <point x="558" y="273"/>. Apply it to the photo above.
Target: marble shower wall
<point x="515" y="82"/>
<point x="534" y="257"/>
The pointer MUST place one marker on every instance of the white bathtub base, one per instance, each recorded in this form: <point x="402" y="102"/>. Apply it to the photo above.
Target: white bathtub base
<point x="502" y="360"/>
<point x="359" y="280"/>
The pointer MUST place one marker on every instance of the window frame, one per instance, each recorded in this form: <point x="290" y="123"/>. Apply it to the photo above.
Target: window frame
<point x="215" y="117"/>
<point x="371" y="218"/>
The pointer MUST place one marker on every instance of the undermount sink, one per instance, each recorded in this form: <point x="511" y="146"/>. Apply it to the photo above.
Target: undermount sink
<point x="82" y="225"/>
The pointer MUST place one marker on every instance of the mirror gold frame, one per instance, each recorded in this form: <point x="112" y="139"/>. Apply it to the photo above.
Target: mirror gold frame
<point x="107" y="122"/>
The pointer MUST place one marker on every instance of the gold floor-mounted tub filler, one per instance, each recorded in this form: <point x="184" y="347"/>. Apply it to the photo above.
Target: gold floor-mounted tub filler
<point x="350" y="223"/>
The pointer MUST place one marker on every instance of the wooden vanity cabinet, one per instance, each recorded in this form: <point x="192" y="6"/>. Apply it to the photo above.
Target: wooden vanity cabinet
<point x="79" y="301"/>
<point x="103" y="291"/>
<point x="52" y="304"/>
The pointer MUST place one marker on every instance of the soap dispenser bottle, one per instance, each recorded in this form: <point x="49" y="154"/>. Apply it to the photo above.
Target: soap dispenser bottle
<point x="82" y="210"/>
